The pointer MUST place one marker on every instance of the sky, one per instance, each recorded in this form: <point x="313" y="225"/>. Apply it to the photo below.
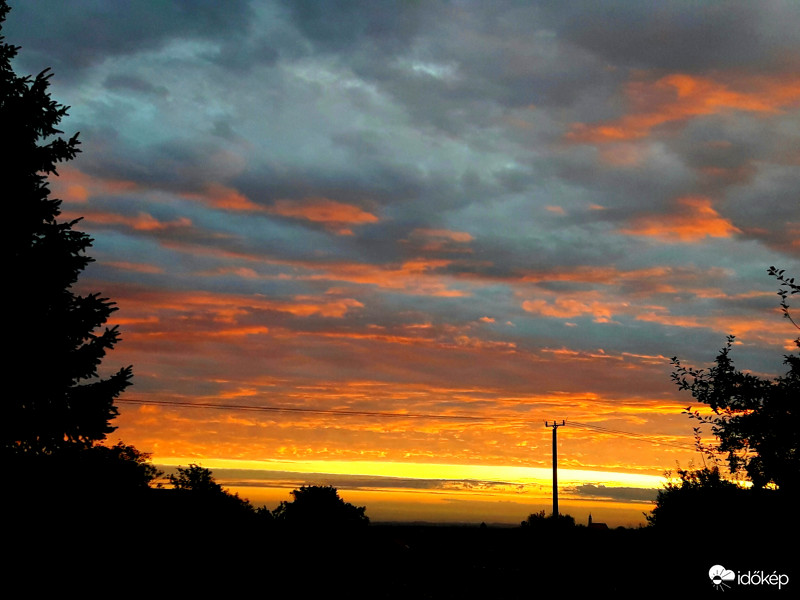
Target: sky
<point x="483" y="216"/>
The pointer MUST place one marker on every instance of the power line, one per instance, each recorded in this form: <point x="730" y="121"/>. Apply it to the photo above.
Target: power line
<point x="641" y="436"/>
<point x="382" y="414"/>
<point x="331" y="411"/>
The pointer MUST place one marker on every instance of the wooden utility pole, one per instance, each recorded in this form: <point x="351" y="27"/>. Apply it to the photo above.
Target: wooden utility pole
<point x="555" y="425"/>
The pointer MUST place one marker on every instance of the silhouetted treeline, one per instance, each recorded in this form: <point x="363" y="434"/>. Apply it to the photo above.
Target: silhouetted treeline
<point x="196" y="542"/>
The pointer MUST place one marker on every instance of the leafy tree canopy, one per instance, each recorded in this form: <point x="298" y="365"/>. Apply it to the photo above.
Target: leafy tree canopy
<point x="95" y="471"/>
<point x="61" y="400"/>
<point x="196" y="479"/>
<point x="122" y="466"/>
<point x="756" y="420"/>
<point x="697" y="494"/>
<point x="319" y="507"/>
<point x="540" y="522"/>
<point x="198" y="485"/>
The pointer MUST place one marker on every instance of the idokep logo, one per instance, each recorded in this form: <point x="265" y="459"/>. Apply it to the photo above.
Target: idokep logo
<point x="719" y="576"/>
<point x="722" y="578"/>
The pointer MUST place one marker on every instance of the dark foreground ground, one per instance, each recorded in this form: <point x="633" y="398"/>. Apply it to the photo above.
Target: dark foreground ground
<point x="189" y="556"/>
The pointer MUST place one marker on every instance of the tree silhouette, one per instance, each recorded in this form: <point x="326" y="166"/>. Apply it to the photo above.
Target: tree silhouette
<point x="120" y="467"/>
<point x="319" y="507"/>
<point x="198" y="486"/>
<point x="756" y="420"/>
<point x="56" y="347"/>
<point x="540" y="522"/>
<point x="197" y="479"/>
<point x="679" y="504"/>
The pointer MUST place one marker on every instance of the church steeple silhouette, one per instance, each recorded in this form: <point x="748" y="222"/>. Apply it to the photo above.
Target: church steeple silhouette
<point x="593" y="525"/>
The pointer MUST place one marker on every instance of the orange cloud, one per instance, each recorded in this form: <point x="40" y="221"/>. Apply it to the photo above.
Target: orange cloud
<point x="556" y="210"/>
<point x="74" y="186"/>
<point x="443" y="338"/>
<point x="376" y="337"/>
<point x="696" y="220"/>
<point x="137" y="267"/>
<point x="605" y="275"/>
<point x="141" y="222"/>
<point x="441" y="240"/>
<point x="499" y="437"/>
<point x="304" y="306"/>
<point x="239" y="331"/>
<point x="188" y="337"/>
<point x="417" y="276"/>
<point x="335" y="215"/>
<point x="641" y="282"/>
<point x="602" y="275"/>
<point x="227" y="308"/>
<point x="564" y="307"/>
<point x="567" y="353"/>
<point x="455" y="236"/>
<point x="679" y="97"/>
<point x="768" y="329"/>
<point x="225" y="198"/>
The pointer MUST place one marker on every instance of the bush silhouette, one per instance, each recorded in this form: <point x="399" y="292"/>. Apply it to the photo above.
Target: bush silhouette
<point x="540" y="522"/>
<point x="319" y="507"/>
<point x="198" y="492"/>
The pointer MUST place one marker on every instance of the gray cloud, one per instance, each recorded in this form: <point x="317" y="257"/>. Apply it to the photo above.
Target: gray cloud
<point x="77" y="35"/>
<point x="619" y="494"/>
<point x="340" y="25"/>
<point x="675" y="35"/>
<point x="290" y="479"/>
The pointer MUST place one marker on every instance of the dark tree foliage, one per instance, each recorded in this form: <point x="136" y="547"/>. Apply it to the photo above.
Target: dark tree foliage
<point x="541" y="523"/>
<point x="787" y="288"/>
<point x="196" y="479"/>
<point x="118" y="467"/>
<point x="319" y="507"/>
<point x="698" y="493"/>
<point x="55" y="341"/>
<point x="704" y="505"/>
<point x="198" y="486"/>
<point x="84" y="472"/>
<point x="78" y="493"/>
<point x="756" y="420"/>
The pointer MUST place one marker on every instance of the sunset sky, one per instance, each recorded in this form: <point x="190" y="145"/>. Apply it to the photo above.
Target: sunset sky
<point x="483" y="215"/>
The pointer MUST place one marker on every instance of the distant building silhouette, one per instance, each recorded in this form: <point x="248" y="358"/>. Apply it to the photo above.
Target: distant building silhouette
<point x="596" y="525"/>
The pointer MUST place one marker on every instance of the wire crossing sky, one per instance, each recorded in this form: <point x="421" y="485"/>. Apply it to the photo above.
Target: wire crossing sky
<point x="345" y="413"/>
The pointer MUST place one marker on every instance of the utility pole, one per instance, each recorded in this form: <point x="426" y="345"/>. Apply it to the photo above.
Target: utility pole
<point x="555" y="425"/>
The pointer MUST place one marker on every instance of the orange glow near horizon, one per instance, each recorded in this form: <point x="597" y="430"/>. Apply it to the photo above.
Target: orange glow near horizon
<point x="445" y="492"/>
<point x="500" y="474"/>
<point x="413" y="470"/>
